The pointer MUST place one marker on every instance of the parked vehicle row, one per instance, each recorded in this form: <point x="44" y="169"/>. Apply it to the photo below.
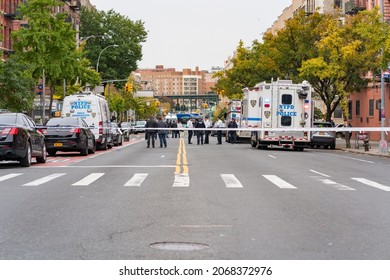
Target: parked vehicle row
<point x="20" y="139"/>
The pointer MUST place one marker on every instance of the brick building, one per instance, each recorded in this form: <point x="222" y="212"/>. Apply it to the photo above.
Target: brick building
<point x="9" y="23"/>
<point x="189" y="87"/>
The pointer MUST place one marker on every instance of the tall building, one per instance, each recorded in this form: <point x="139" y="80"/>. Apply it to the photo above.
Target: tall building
<point x="190" y="88"/>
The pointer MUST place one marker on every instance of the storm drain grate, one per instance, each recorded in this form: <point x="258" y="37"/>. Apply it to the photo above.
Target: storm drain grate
<point x="179" y="246"/>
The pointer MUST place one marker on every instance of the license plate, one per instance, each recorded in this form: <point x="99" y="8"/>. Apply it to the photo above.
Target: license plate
<point x="57" y="144"/>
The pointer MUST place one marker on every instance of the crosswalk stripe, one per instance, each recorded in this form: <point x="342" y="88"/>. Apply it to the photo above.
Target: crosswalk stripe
<point x="89" y="179"/>
<point x="335" y="185"/>
<point x="9" y="176"/>
<point x="372" y="184"/>
<point x="136" y="180"/>
<point x="45" y="179"/>
<point x="279" y="182"/>
<point x="231" y="181"/>
<point x="181" y="181"/>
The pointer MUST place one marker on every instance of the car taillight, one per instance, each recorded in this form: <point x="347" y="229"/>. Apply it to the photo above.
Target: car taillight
<point x="266" y="133"/>
<point x="10" y="131"/>
<point x="100" y="127"/>
<point x="75" y="130"/>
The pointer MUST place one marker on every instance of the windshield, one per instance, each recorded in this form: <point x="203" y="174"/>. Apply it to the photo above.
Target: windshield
<point x="7" y="119"/>
<point x="62" y="121"/>
<point x="140" y="123"/>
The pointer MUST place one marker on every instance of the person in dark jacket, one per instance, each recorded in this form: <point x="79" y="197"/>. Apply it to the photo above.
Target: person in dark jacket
<point x="175" y="132"/>
<point x="150" y="132"/>
<point x="200" y="133"/>
<point x="233" y="133"/>
<point x="162" y="132"/>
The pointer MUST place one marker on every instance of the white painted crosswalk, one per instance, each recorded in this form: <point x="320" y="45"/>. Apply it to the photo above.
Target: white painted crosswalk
<point x="136" y="180"/>
<point x="227" y="181"/>
<point x="279" y="182"/>
<point x="89" y="179"/>
<point x="45" y="179"/>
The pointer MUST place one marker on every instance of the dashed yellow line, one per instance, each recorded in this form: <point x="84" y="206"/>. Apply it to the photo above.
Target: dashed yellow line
<point x="181" y="159"/>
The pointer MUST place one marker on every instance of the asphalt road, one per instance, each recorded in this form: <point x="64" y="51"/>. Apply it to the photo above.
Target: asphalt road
<point x="197" y="202"/>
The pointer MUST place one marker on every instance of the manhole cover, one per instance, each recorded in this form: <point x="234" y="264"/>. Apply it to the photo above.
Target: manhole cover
<point x="179" y="246"/>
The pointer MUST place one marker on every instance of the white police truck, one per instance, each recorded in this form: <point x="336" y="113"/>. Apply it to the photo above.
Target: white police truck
<point x="277" y="114"/>
<point x="93" y="108"/>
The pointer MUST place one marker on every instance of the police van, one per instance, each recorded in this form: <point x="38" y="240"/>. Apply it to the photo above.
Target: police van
<point x="234" y="111"/>
<point x="93" y="108"/>
<point x="281" y="111"/>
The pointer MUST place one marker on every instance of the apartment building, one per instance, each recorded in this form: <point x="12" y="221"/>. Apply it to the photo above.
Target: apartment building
<point x="327" y="6"/>
<point x="187" y="87"/>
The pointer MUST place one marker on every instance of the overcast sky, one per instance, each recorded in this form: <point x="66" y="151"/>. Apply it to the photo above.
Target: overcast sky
<point x="186" y="33"/>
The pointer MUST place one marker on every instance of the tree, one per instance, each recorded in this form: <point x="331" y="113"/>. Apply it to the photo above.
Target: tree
<point x="117" y="30"/>
<point x="48" y="44"/>
<point x="16" y="86"/>
<point x="250" y="66"/>
<point x="346" y="53"/>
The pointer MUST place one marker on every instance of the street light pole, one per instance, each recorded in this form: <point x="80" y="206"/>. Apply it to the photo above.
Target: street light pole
<point x="100" y="54"/>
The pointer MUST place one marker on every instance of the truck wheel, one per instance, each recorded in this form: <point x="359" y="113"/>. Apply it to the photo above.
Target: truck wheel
<point x="253" y="143"/>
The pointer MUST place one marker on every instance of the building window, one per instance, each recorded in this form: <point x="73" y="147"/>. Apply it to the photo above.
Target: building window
<point x="371" y="108"/>
<point x="357" y="107"/>
<point x="338" y="113"/>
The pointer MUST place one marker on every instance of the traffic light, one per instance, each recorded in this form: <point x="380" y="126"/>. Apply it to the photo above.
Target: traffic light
<point x="129" y="87"/>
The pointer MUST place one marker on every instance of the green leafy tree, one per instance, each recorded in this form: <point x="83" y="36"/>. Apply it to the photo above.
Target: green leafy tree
<point x="111" y="28"/>
<point x="49" y="45"/>
<point x="16" y="86"/>
<point x="250" y="66"/>
<point x="345" y="54"/>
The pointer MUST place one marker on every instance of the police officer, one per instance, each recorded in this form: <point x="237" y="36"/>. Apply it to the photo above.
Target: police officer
<point x="150" y="133"/>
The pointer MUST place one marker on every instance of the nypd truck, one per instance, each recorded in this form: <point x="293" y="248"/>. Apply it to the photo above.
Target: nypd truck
<point x="93" y="108"/>
<point x="234" y="111"/>
<point x="277" y="114"/>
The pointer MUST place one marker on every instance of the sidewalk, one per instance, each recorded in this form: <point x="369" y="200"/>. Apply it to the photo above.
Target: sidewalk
<point x="373" y="149"/>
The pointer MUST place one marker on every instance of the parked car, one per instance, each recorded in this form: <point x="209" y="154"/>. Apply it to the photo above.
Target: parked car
<point x="20" y="139"/>
<point x="69" y="134"/>
<point x="139" y="127"/>
<point x="117" y="135"/>
<point x="323" y="138"/>
<point x="340" y="134"/>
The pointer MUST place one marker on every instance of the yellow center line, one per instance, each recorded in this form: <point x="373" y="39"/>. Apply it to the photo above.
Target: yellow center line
<point x="181" y="154"/>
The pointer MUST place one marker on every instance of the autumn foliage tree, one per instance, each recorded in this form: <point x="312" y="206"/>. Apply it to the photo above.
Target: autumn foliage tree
<point x="333" y="55"/>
